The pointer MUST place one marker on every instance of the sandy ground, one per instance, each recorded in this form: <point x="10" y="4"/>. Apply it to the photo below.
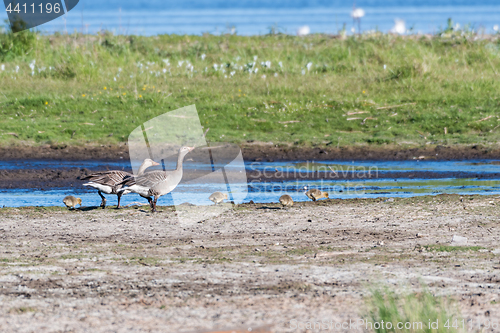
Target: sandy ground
<point x="253" y="267"/>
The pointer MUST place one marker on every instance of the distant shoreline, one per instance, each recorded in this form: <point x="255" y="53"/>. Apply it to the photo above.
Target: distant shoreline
<point x="257" y="18"/>
<point x="268" y="152"/>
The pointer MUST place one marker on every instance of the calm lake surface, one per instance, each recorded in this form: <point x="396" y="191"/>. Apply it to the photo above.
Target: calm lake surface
<point x="257" y="17"/>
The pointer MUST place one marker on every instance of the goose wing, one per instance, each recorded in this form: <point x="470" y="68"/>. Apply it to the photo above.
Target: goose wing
<point x="110" y="178"/>
<point x="152" y="178"/>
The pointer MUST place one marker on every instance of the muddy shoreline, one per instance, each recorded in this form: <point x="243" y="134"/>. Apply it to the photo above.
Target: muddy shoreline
<point x="254" y="266"/>
<point x="264" y="153"/>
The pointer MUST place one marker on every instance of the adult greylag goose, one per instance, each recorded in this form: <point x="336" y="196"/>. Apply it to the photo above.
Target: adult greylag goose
<point x="217" y="197"/>
<point x="286" y="200"/>
<point x="70" y="201"/>
<point x="109" y="182"/>
<point x="315" y="194"/>
<point x="156" y="183"/>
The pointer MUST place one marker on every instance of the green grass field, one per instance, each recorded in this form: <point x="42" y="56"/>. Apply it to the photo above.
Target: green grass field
<point x="373" y="89"/>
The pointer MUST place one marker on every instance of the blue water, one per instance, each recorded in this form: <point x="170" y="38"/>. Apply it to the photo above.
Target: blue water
<point x="476" y="166"/>
<point x="256" y="17"/>
<point x="266" y="192"/>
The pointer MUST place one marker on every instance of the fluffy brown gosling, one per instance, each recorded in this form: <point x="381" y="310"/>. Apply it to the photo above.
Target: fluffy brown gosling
<point x="70" y="201"/>
<point x="286" y="200"/>
<point x="315" y="194"/>
<point x="218" y="197"/>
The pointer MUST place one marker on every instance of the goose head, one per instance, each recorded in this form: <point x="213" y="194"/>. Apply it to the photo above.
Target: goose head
<point x="183" y="151"/>
<point x="79" y="201"/>
<point x="149" y="163"/>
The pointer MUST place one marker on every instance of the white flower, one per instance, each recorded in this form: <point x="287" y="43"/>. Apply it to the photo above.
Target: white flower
<point x="385" y="66"/>
<point x="268" y="64"/>
<point x="203" y="56"/>
<point x="303" y="72"/>
<point x="114" y="78"/>
<point x="17" y="69"/>
<point x="309" y="65"/>
<point x="275" y="74"/>
<point x="281" y="64"/>
<point x="119" y="69"/>
<point x="164" y="70"/>
<point x="216" y="66"/>
<point x="255" y="58"/>
<point x="495" y="27"/>
<point x="32" y="65"/>
<point x="256" y="70"/>
<point x="180" y="63"/>
<point x="232" y="73"/>
<point x="2" y="67"/>
<point x="264" y="76"/>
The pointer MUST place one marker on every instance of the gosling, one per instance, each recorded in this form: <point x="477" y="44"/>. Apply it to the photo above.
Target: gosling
<point x="315" y="194"/>
<point x="70" y="201"/>
<point x="286" y="200"/>
<point x="218" y="197"/>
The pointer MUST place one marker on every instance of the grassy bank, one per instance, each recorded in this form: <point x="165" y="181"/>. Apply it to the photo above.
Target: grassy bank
<point x="414" y="312"/>
<point x="320" y="90"/>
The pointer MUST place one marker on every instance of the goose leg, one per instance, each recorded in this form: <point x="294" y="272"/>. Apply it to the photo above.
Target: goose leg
<point x="150" y="201"/>
<point x="119" y="197"/>
<point x="103" y="202"/>
<point x="154" y="204"/>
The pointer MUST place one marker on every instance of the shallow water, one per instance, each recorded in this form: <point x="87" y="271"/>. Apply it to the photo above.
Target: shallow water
<point x="266" y="192"/>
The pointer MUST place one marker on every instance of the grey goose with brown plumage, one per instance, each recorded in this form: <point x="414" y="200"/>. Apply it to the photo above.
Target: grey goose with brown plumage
<point x="156" y="183"/>
<point x="110" y="181"/>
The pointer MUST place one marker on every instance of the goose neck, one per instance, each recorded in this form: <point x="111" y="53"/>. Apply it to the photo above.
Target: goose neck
<point x="180" y="158"/>
<point x="142" y="168"/>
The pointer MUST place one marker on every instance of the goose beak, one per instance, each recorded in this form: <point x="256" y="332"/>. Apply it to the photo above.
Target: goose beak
<point x="155" y="163"/>
<point x="191" y="148"/>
